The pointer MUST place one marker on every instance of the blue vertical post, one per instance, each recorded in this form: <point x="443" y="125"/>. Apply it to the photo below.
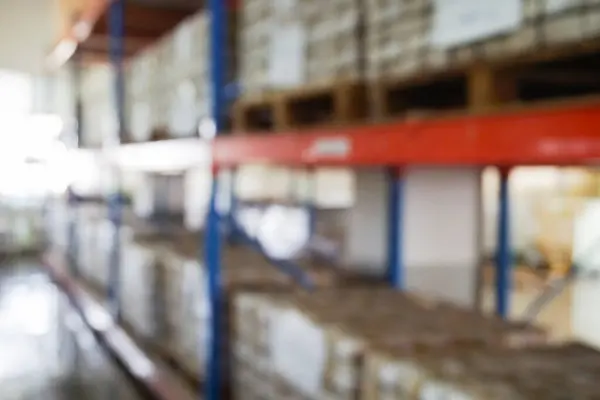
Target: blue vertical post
<point x="504" y="254"/>
<point x="212" y="248"/>
<point x="77" y="64"/>
<point x="395" y="265"/>
<point x="116" y="49"/>
<point x="311" y="206"/>
<point x="73" y="242"/>
<point x="233" y="209"/>
<point x="71" y="233"/>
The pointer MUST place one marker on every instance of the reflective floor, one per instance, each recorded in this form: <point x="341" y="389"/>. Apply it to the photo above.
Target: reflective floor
<point x="45" y="350"/>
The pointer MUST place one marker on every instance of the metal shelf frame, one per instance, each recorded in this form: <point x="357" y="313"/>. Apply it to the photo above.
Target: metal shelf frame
<point x="559" y="134"/>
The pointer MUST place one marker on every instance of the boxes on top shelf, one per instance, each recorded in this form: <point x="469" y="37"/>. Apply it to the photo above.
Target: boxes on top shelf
<point x="188" y="103"/>
<point x="140" y="119"/>
<point x="96" y="82"/>
<point x="477" y="56"/>
<point x="170" y="91"/>
<point x="144" y="72"/>
<point x="298" y="43"/>
<point x="312" y="346"/>
<point x="186" y="49"/>
<point x="295" y="56"/>
<point x="407" y="38"/>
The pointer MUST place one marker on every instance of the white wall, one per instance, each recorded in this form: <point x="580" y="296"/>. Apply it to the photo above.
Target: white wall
<point x="365" y="246"/>
<point x="441" y="229"/>
<point x="28" y="29"/>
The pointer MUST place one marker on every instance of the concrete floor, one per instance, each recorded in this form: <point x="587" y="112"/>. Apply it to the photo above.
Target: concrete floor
<point x="45" y="351"/>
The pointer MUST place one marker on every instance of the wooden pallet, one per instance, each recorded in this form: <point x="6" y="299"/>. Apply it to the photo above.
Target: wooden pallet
<point x="339" y="103"/>
<point x="546" y="74"/>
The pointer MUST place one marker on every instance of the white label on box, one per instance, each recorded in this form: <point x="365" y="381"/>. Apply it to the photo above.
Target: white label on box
<point x="553" y="6"/>
<point x="434" y="391"/>
<point x="287" y="61"/>
<point x="462" y="21"/>
<point x="295" y="344"/>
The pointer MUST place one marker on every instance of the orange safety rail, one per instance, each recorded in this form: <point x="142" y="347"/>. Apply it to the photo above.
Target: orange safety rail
<point x="566" y="134"/>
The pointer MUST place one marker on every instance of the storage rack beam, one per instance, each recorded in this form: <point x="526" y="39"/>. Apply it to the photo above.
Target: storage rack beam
<point x="555" y="134"/>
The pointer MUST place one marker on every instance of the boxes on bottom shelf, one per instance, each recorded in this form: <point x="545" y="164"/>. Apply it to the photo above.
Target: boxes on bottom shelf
<point x="567" y="371"/>
<point x="187" y="301"/>
<point x="313" y="345"/>
<point x="92" y="256"/>
<point x="140" y="293"/>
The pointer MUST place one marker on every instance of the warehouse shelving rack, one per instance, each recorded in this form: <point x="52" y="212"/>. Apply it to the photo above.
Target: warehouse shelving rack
<point x="551" y="134"/>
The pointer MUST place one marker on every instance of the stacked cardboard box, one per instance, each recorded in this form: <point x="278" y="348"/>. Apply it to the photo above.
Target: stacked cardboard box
<point x="56" y="221"/>
<point x="170" y="91"/>
<point x="143" y="77"/>
<point x="139" y="276"/>
<point x="187" y="297"/>
<point x="303" y="346"/>
<point x="407" y="38"/>
<point x="186" y="76"/>
<point x="98" y="112"/>
<point x="459" y="372"/>
<point x="87" y="251"/>
<point x="295" y="43"/>
<point x="169" y="80"/>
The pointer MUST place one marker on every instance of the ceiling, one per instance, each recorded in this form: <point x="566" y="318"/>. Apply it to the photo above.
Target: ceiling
<point x="145" y="22"/>
<point x="31" y="29"/>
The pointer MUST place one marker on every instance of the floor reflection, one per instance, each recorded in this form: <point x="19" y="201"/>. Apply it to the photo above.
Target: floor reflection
<point x="46" y="351"/>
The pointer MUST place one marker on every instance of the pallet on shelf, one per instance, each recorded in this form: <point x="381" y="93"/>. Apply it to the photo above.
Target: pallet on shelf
<point x="331" y="104"/>
<point x="415" y="59"/>
<point x="480" y="85"/>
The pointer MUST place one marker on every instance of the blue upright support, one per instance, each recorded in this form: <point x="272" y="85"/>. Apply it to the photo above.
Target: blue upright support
<point x="504" y="254"/>
<point x="77" y="77"/>
<point x="233" y="232"/>
<point x="396" y="223"/>
<point x="73" y="238"/>
<point x="116" y="39"/>
<point x="212" y="248"/>
<point x="72" y="242"/>
<point x="310" y="206"/>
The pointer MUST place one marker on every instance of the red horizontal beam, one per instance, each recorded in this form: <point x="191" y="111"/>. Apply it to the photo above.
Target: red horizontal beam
<point x="118" y="343"/>
<point x="551" y="135"/>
